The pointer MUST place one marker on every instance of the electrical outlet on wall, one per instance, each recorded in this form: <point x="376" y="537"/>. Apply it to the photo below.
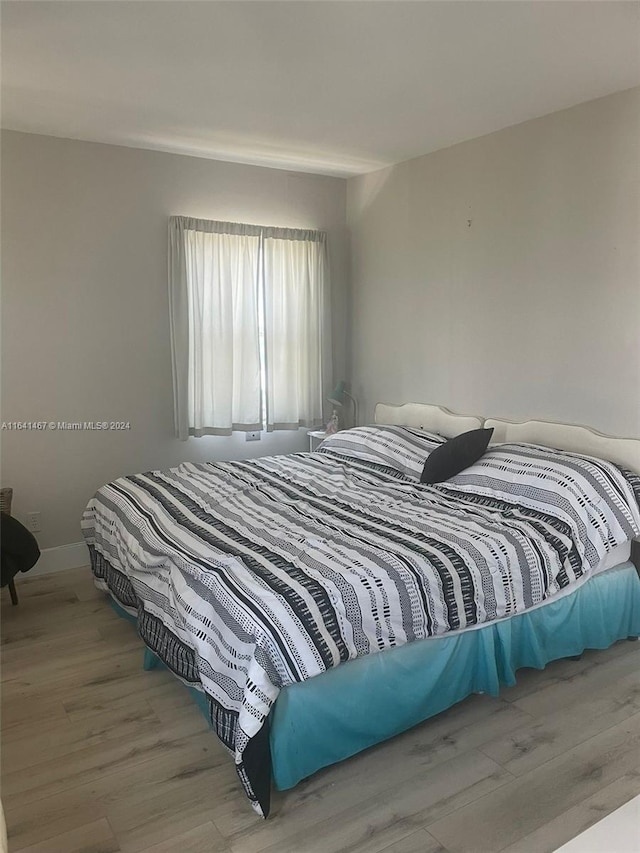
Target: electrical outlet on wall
<point x="34" y="522"/>
<point x="253" y="436"/>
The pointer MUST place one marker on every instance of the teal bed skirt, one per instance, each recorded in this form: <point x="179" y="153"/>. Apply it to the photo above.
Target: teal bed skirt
<point x="337" y="714"/>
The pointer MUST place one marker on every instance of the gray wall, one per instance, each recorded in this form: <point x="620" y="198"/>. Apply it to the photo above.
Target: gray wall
<point x="85" y="327"/>
<point x="501" y="276"/>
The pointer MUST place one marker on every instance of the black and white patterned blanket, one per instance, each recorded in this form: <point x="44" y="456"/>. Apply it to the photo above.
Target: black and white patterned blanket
<point x="249" y="576"/>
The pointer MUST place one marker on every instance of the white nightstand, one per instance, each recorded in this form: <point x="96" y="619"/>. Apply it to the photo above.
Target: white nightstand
<point x="315" y="437"/>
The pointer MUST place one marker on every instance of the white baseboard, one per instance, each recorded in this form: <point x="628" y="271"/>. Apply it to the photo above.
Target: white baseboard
<point x="57" y="559"/>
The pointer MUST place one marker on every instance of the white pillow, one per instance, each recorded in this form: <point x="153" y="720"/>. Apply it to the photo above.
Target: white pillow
<point x="403" y="449"/>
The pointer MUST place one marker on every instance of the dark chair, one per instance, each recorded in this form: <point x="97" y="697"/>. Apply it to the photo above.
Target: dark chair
<point x="19" y="552"/>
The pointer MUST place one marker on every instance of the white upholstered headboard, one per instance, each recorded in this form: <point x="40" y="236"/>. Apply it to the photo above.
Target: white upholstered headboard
<point x="579" y="439"/>
<point x="427" y="417"/>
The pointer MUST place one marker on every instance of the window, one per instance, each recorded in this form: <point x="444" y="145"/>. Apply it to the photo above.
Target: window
<point x="249" y="326"/>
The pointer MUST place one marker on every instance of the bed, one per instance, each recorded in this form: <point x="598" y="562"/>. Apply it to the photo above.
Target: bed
<point x="320" y="603"/>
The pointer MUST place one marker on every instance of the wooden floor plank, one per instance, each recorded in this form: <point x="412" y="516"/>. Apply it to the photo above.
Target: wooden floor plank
<point x="198" y="840"/>
<point x="554" y="833"/>
<point x="542" y="794"/>
<point x="23" y="633"/>
<point x="602" y="705"/>
<point x="57" y="815"/>
<point x="161" y="784"/>
<point x="68" y="672"/>
<point x="69" y="580"/>
<point x="17" y="655"/>
<point x="120" y="684"/>
<point x="161" y="818"/>
<point x="104" y="758"/>
<point x="57" y="743"/>
<point x="93" y="837"/>
<point x="18" y="712"/>
<point x="417" y="842"/>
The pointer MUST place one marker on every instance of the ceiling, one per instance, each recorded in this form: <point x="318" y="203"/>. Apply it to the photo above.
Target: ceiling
<point x="336" y="88"/>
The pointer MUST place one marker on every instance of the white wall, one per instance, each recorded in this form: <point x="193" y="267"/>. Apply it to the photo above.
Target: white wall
<point x="85" y="327"/>
<point x="502" y="276"/>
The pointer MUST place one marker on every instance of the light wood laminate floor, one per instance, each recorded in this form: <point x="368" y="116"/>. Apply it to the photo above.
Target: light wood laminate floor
<point x="100" y="756"/>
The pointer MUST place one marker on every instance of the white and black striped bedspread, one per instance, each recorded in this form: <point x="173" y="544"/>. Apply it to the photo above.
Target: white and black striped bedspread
<point x="248" y="576"/>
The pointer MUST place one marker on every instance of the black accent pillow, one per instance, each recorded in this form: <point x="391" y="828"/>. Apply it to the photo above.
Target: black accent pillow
<point x="455" y="455"/>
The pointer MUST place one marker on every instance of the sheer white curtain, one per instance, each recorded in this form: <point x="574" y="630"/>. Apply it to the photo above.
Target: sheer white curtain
<point x="250" y="326"/>
<point x="215" y="299"/>
<point x="297" y="327"/>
